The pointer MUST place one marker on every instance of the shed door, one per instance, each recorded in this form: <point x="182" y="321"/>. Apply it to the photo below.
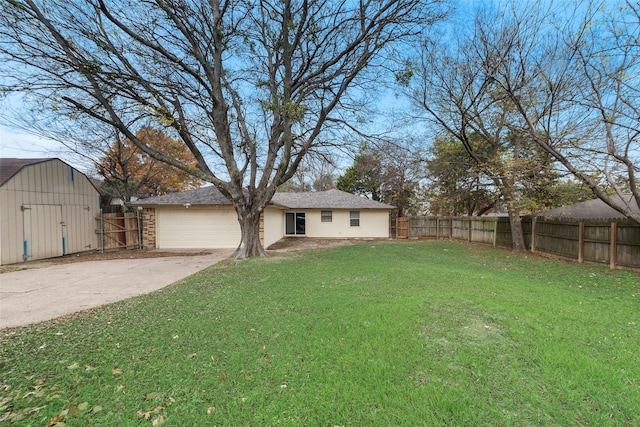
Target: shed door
<point x="182" y="228"/>
<point x="42" y="232"/>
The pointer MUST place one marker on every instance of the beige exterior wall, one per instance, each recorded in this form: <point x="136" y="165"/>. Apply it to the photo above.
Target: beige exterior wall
<point x="374" y="223"/>
<point x="60" y="207"/>
<point x="273" y="225"/>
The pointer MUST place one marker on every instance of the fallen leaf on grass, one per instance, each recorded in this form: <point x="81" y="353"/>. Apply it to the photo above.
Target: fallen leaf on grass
<point x="116" y="371"/>
<point x="148" y="413"/>
<point x="158" y="421"/>
<point x="55" y="420"/>
<point x="211" y="410"/>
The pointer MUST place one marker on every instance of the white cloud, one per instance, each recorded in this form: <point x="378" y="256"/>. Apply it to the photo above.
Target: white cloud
<point x="21" y="145"/>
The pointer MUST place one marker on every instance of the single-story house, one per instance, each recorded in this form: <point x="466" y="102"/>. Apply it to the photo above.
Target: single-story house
<point x="204" y="218"/>
<point x="47" y="209"/>
<point x="595" y="208"/>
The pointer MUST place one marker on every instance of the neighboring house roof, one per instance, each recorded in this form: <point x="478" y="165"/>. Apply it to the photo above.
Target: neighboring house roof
<point x="210" y="196"/>
<point x="592" y="209"/>
<point x="10" y="167"/>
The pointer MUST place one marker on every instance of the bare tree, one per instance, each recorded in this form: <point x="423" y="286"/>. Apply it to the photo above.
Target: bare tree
<point x="575" y="87"/>
<point x="532" y="84"/>
<point x="250" y="87"/>
<point x="314" y="173"/>
<point x="452" y="88"/>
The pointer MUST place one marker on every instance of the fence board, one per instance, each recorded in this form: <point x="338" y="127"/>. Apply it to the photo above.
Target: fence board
<point x="584" y="239"/>
<point x="402" y="228"/>
<point x="118" y="230"/>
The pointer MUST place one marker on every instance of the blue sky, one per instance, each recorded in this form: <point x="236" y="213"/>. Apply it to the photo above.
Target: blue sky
<point x="17" y="143"/>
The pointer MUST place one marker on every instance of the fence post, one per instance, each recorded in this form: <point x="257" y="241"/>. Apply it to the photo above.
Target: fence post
<point x="437" y="228"/>
<point x="469" y="221"/>
<point x="101" y="231"/>
<point x="139" y="217"/>
<point x="533" y="234"/>
<point x="613" y="246"/>
<point x="495" y="232"/>
<point x="581" y="243"/>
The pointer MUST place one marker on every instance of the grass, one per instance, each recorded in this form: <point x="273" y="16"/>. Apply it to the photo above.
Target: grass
<point x="426" y="333"/>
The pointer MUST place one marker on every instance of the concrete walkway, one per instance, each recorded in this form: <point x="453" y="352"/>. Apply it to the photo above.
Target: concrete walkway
<point x="31" y="296"/>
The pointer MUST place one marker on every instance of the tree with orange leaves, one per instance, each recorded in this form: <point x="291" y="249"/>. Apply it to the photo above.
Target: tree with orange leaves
<point x="129" y="172"/>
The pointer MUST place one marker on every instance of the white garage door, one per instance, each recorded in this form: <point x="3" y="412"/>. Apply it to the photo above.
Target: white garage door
<point x="197" y="228"/>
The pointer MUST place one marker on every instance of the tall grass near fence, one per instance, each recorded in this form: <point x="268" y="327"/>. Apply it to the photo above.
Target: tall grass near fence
<point x="405" y="334"/>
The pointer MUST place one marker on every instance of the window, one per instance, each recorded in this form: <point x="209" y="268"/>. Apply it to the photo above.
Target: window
<point x="295" y="223"/>
<point x="354" y="218"/>
<point x="326" y="216"/>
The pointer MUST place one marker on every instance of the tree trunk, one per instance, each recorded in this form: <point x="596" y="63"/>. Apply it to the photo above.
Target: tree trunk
<point x="250" y="245"/>
<point x="517" y="236"/>
<point x="514" y="208"/>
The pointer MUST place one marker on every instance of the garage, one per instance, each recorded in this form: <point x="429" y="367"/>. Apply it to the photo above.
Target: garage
<point x="194" y="228"/>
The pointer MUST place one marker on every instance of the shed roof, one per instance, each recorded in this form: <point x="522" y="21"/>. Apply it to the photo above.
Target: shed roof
<point x="210" y="196"/>
<point x="10" y="167"/>
<point x="592" y="209"/>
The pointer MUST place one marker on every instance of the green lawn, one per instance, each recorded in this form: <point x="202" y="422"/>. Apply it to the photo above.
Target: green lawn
<point x="385" y="334"/>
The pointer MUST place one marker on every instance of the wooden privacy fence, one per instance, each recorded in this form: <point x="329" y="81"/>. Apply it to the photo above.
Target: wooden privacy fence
<point x="615" y="242"/>
<point x="119" y="230"/>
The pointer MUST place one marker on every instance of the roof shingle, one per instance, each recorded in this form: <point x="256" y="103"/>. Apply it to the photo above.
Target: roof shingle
<point x="210" y="196"/>
<point x="330" y="199"/>
<point x="9" y="167"/>
<point x="591" y="209"/>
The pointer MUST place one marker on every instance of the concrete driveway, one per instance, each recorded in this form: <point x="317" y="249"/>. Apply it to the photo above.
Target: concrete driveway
<point x="31" y="296"/>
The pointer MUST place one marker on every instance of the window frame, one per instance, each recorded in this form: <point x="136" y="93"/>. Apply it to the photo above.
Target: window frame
<point x="354" y="218"/>
<point x="326" y="216"/>
<point x="299" y="229"/>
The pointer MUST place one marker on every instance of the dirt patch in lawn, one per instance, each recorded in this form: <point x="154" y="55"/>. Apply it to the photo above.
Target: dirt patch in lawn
<point x="303" y="243"/>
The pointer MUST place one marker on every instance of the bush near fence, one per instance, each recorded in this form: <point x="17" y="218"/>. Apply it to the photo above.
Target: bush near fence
<point x="615" y="242"/>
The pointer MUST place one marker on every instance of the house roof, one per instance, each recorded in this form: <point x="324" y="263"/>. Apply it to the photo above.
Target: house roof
<point x="592" y="209"/>
<point x="205" y="196"/>
<point x="330" y="199"/>
<point x="9" y="167"/>
<point x="210" y="196"/>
